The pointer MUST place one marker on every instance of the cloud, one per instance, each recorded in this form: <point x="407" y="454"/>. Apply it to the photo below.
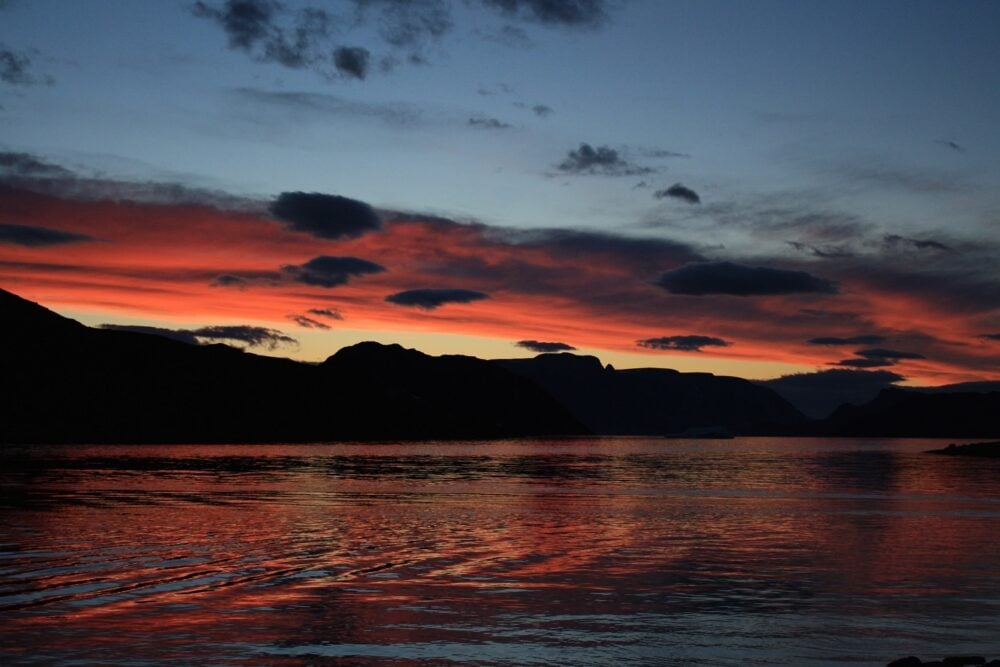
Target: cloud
<point x="818" y="394"/>
<point x="661" y="153"/>
<point x="251" y="336"/>
<point x="864" y="363"/>
<point x="827" y="252"/>
<point x="304" y="37"/>
<point x="739" y="280"/>
<point x="540" y="346"/>
<point x="308" y="322"/>
<point x="691" y="343"/>
<point x="542" y="110"/>
<point x="352" y="61"/>
<point x="678" y="191"/>
<point x="990" y="336"/>
<point x="325" y="216"/>
<point x="896" y="241"/>
<point x="28" y="166"/>
<point x="602" y="160"/>
<point x="328" y="313"/>
<point x="323" y="105"/>
<point x="327" y="271"/>
<point x="259" y="28"/>
<point x="429" y="299"/>
<point x="881" y="353"/>
<point x="35" y="237"/>
<point x="487" y="123"/>
<point x="565" y="13"/>
<point x="15" y="68"/>
<point x="864" y="339"/>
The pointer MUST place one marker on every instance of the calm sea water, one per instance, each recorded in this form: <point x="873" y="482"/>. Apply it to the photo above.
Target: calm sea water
<point x="610" y="551"/>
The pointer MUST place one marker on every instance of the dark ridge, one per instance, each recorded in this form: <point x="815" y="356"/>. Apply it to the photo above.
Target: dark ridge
<point x="64" y="382"/>
<point x="653" y="401"/>
<point x="901" y="413"/>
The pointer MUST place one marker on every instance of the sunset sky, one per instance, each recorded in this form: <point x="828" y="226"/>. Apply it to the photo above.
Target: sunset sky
<point x="745" y="188"/>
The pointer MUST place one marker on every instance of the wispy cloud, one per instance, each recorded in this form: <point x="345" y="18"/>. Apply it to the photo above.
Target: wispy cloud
<point x="34" y="237"/>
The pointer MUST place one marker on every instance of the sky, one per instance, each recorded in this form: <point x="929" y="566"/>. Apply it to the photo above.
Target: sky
<point x="752" y="189"/>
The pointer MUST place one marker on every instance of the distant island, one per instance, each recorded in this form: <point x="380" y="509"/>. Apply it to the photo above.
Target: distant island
<point x="68" y="383"/>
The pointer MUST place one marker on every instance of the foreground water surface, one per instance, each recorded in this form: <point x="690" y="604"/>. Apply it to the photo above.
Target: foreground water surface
<point x="627" y="551"/>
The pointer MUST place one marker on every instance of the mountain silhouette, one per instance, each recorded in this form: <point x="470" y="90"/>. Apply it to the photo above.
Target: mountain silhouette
<point x="655" y="401"/>
<point x="65" y="382"/>
<point x="903" y="413"/>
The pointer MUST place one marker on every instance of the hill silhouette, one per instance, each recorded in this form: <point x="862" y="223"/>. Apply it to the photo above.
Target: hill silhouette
<point x="65" y="382"/>
<point x="931" y="414"/>
<point x="655" y="401"/>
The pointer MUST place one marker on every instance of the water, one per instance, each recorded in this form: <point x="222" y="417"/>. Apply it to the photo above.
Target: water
<point x="621" y="551"/>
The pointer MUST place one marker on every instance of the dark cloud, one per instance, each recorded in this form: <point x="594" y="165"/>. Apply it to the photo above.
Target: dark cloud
<point x="430" y="299"/>
<point x="691" y="343"/>
<point x="864" y="362"/>
<point x="488" y="123"/>
<point x="29" y="166"/>
<point x="602" y="160"/>
<point x="326" y="271"/>
<point x="270" y="33"/>
<point x="402" y="30"/>
<point x="678" y="191"/>
<point x="567" y="13"/>
<point x="740" y="280"/>
<point x="897" y="241"/>
<point x="16" y="66"/>
<point x="864" y="339"/>
<point x="818" y="394"/>
<point x="250" y="336"/>
<point x="645" y="255"/>
<point x="325" y="216"/>
<point x="352" y="61"/>
<point x="328" y="313"/>
<point x="893" y="355"/>
<point x="542" y="110"/>
<point x="541" y="346"/>
<point x="308" y="322"/>
<point x="34" y="237"/>
<point x="990" y="336"/>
